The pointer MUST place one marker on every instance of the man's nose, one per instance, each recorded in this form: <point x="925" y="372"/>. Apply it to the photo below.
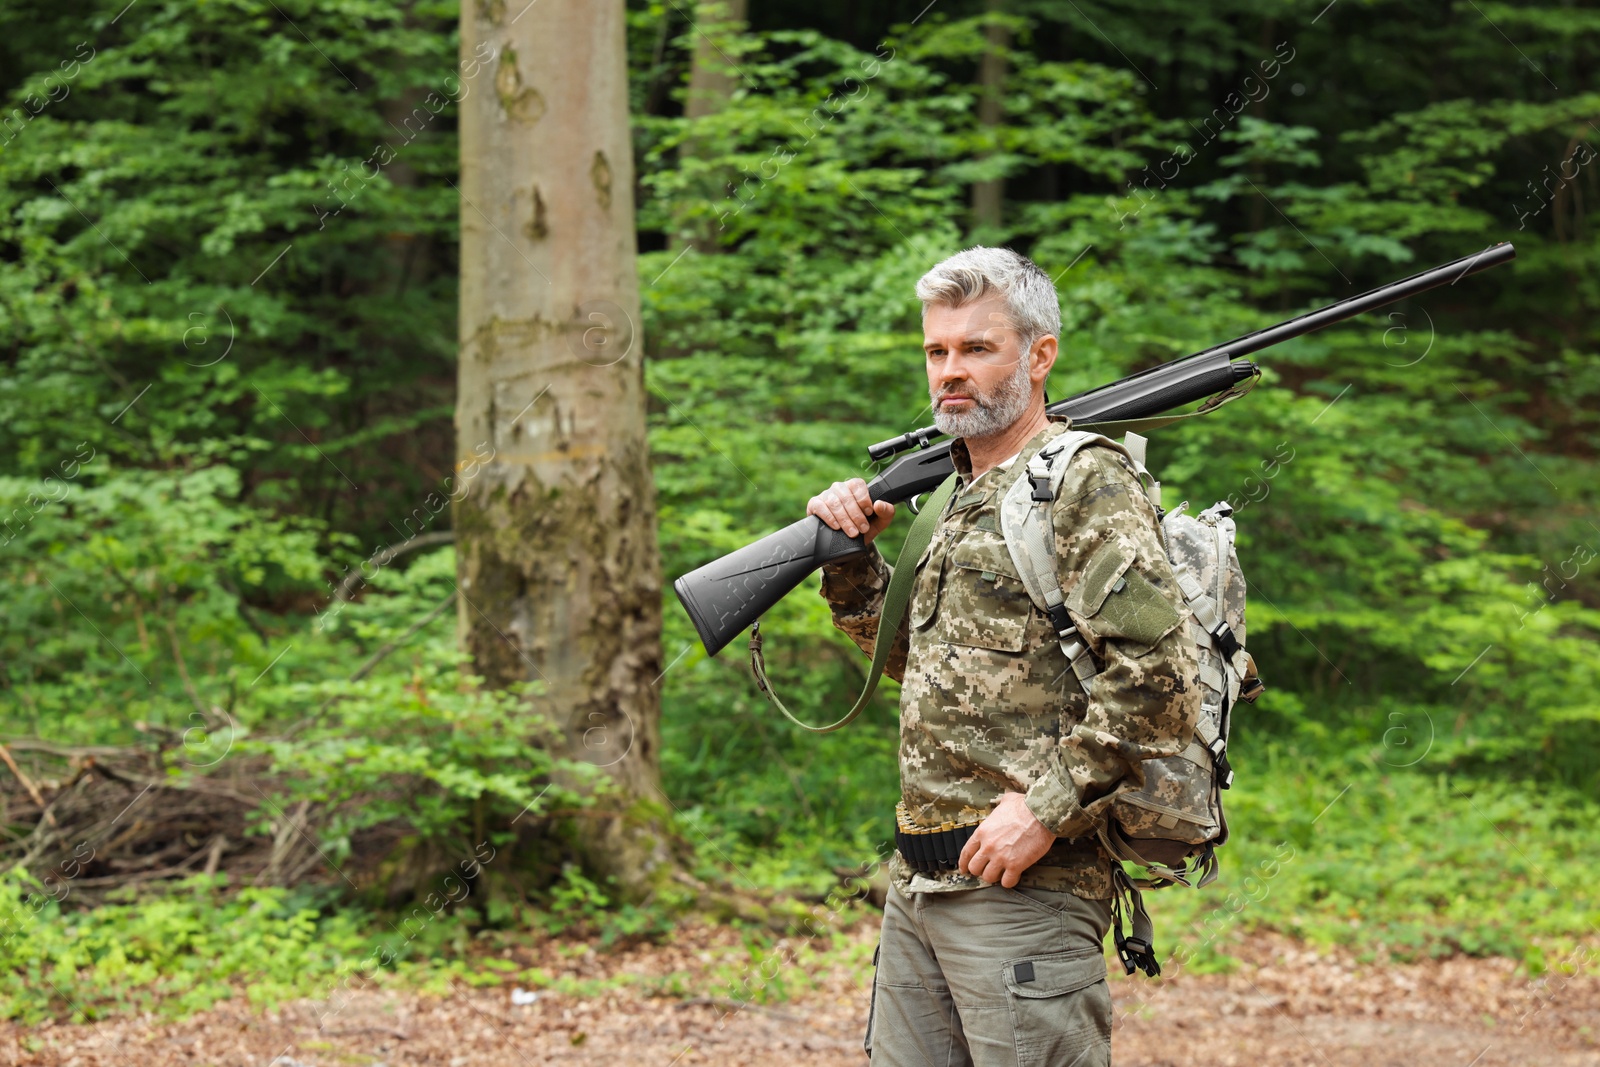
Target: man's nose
<point x="954" y="369"/>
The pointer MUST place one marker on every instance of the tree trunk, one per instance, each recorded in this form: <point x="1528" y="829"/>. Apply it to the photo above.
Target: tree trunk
<point x="554" y="505"/>
<point x="987" y="195"/>
<point x="711" y="79"/>
<point x="711" y="82"/>
<point x="406" y="255"/>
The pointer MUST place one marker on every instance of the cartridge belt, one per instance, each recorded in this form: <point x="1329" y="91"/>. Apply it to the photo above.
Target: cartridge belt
<point x="929" y="850"/>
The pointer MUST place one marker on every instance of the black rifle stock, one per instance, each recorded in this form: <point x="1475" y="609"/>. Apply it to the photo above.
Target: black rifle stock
<point x="726" y="595"/>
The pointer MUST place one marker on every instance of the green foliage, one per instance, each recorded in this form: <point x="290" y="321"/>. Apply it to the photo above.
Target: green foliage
<point x="179" y="953"/>
<point x="575" y="904"/>
<point x="226" y="322"/>
<point x="1396" y="492"/>
<point x="1403" y="865"/>
<point x="220" y="395"/>
<point x="419" y="742"/>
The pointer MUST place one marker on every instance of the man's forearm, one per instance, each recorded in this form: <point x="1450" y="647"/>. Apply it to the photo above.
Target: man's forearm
<point x="855" y="591"/>
<point x="1140" y="707"/>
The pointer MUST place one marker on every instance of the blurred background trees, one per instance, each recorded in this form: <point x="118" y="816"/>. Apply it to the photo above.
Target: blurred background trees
<point x="229" y="272"/>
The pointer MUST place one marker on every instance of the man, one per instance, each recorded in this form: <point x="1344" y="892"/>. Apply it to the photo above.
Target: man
<point x="997" y="958"/>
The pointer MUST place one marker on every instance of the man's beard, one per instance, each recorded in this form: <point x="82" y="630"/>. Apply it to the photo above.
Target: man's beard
<point x="992" y="413"/>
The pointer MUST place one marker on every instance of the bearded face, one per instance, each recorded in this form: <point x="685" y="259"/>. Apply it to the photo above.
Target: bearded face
<point x="989" y="412"/>
<point x="978" y="371"/>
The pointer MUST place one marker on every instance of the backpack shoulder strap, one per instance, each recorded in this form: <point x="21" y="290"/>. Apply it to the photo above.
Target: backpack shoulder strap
<point x="1027" y="523"/>
<point x="1134" y="446"/>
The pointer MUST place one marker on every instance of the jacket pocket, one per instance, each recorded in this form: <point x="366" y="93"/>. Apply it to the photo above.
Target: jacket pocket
<point x="1060" y="1009"/>
<point x="1118" y="600"/>
<point x="983" y="602"/>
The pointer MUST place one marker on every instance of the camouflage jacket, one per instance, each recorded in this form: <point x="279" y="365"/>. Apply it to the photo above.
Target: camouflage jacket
<point x="988" y="703"/>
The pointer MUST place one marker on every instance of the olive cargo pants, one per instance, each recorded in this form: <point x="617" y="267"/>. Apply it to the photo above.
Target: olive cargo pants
<point x="991" y="977"/>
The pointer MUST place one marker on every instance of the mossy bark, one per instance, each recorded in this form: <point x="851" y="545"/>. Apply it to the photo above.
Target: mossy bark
<point x="555" y="511"/>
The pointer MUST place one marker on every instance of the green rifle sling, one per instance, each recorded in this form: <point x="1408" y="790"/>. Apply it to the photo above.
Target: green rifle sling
<point x="895" y="600"/>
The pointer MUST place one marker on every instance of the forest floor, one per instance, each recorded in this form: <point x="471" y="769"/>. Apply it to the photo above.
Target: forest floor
<point x="1283" y="1004"/>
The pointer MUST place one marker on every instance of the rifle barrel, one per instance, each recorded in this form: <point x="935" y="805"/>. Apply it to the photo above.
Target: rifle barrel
<point x="1421" y="282"/>
<point x="726" y="595"/>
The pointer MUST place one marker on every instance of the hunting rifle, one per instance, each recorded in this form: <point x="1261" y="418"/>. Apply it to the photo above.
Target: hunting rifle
<point x="727" y="595"/>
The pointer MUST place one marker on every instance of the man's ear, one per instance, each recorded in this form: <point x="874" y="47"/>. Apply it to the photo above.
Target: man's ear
<point x="1041" y="357"/>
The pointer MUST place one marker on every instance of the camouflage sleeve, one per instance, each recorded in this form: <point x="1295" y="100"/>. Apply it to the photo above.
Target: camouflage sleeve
<point x="854" y="591"/>
<point x="1121" y="592"/>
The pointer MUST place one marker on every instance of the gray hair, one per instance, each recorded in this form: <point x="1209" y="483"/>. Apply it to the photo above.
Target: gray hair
<point x="1030" y="295"/>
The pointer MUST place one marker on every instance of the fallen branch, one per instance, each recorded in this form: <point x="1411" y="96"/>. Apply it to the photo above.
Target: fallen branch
<point x="352" y="1031"/>
<point x="111" y="880"/>
<point x="33" y="790"/>
<point x="74" y="753"/>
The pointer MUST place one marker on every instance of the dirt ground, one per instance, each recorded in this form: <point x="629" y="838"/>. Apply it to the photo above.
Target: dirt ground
<point x="1286" y="1005"/>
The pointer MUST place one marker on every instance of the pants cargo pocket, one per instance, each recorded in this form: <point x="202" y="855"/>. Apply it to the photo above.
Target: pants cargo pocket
<point x="872" y="1004"/>
<point x="1060" y="1009"/>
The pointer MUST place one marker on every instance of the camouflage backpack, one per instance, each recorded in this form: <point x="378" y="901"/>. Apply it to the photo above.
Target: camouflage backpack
<point x="1173" y="825"/>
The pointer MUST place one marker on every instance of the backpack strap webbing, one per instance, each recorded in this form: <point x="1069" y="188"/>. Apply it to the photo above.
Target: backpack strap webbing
<point x="895" y="600"/>
<point x="1037" y="561"/>
<point x="1028" y="523"/>
<point x="1137" y="949"/>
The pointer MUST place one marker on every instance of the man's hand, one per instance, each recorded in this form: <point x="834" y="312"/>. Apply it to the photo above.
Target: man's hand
<point x="847" y="506"/>
<point x="1006" y="843"/>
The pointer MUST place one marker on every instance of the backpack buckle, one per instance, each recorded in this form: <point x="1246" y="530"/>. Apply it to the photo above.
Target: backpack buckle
<point x="1039" y="475"/>
<point x="1137" y="954"/>
<point x="1061" y="622"/>
<point x="1219" y="760"/>
<point x="1228" y="643"/>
